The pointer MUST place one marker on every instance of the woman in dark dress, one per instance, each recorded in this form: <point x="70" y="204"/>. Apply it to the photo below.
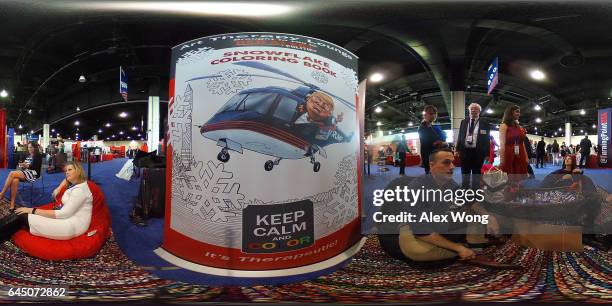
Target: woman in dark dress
<point x="27" y="171"/>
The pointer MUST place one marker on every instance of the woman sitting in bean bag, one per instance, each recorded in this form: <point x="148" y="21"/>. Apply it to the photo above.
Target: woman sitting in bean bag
<point x="67" y="220"/>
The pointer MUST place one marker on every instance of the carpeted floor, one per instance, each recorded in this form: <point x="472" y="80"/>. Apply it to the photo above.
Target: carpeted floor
<point x="122" y="271"/>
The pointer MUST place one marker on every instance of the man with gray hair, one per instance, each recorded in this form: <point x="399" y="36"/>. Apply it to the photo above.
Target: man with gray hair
<point x="473" y="146"/>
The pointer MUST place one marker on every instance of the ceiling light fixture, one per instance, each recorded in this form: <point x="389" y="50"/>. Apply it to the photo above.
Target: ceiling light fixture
<point x="30" y="111"/>
<point x="78" y="109"/>
<point x="538" y="120"/>
<point x="489" y="111"/>
<point x="123" y="114"/>
<point x="243" y="8"/>
<point x="410" y="123"/>
<point x="376" y="77"/>
<point x="77" y="123"/>
<point x="537" y="107"/>
<point x="107" y="124"/>
<point x="378" y="109"/>
<point x="560" y="129"/>
<point x="582" y="112"/>
<point x="82" y="79"/>
<point x="594" y="126"/>
<point x="100" y="131"/>
<point x="378" y="123"/>
<point x="537" y="75"/>
<point x="3" y="93"/>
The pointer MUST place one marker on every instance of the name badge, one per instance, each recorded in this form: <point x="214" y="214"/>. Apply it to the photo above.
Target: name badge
<point x="483" y="132"/>
<point x="516" y="150"/>
<point x="469" y="139"/>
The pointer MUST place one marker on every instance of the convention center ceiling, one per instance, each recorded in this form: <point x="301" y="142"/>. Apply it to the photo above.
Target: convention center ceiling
<point x="423" y="50"/>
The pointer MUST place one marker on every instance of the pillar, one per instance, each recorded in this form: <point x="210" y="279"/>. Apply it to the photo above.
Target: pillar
<point x="457" y="112"/>
<point x="568" y="132"/>
<point x="153" y="123"/>
<point x="44" y="142"/>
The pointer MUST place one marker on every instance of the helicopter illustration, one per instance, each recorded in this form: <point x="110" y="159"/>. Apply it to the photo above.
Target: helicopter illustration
<point x="276" y="121"/>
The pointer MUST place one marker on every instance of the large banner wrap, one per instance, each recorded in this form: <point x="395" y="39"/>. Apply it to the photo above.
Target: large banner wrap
<point x="263" y="155"/>
<point x="603" y="131"/>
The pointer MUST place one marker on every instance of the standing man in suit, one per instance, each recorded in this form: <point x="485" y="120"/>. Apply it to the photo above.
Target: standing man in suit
<point x="473" y="146"/>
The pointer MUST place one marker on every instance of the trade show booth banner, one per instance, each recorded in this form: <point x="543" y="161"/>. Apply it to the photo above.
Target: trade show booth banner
<point x="263" y="147"/>
<point x="603" y="131"/>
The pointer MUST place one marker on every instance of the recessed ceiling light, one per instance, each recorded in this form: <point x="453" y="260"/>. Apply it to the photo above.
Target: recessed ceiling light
<point x="378" y="109"/>
<point x="402" y="131"/>
<point x="582" y="112"/>
<point x="77" y="123"/>
<point x="594" y="126"/>
<point x="78" y="109"/>
<point x="121" y="133"/>
<point x="31" y="132"/>
<point x="537" y="75"/>
<point x="489" y="111"/>
<point x="134" y="128"/>
<point x="390" y="132"/>
<point x="29" y="111"/>
<point x="107" y="124"/>
<point x="100" y="131"/>
<point x="560" y="130"/>
<point x="82" y="79"/>
<point x="21" y="127"/>
<point x="376" y="77"/>
<point x="123" y="114"/>
<point x="3" y="93"/>
<point x="378" y="123"/>
<point x="410" y="123"/>
<point x="537" y="107"/>
<point x="52" y="130"/>
<point x="538" y="120"/>
<point x="139" y="135"/>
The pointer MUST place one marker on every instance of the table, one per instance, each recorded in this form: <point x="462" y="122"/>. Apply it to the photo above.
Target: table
<point x="547" y="237"/>
<point x="412" y="160"/>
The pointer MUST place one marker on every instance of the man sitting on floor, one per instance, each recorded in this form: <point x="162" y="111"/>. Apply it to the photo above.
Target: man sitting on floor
<point x="436" y="242"/>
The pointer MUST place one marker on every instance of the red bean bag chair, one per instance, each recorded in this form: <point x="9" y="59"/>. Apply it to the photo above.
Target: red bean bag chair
<point x="86" y="245"/>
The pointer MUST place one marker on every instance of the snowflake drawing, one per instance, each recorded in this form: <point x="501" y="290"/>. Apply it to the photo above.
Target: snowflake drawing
<point x="229" y="82"/>
<point x="319" y="77"/>
<point x="194" y="55"/>
<point x="343" y="206"/>
<point x="349" y="76"/>
<point x="210" y="192"/>
<point x="180" y="126"/>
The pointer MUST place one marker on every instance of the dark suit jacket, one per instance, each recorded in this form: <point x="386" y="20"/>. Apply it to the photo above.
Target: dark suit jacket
<point x="483" y="143"/>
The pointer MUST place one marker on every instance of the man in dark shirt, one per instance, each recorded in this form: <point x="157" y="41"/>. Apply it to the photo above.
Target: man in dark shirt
<point x="431" y="137"/>
<point x="585" y="151"/>
<point x="540" y="152"/>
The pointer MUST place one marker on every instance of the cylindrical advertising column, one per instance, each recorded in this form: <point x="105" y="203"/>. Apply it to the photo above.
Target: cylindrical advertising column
<point x="262" y="156"/>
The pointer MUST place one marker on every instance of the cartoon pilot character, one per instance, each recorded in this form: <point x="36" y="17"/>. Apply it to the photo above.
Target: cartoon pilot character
<point x="315" y="118"/>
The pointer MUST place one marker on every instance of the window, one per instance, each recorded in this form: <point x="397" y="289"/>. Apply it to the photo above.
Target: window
<point x="231" y="104"/>
<point x="286" y="109"/>
<point x="259" y="102"/>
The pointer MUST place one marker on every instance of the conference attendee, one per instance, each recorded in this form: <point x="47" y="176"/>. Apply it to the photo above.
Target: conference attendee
<point x="401" y="150"/>
<point x="473" y="146"/>
<point x="555" y="152"/>
<point x="431" y="137"/>
<point x="70" y="218"/>
<point x="564" y="151"/>
<point x="492" y="149"/>
<point x="530" y="156"/>
<point x="435" y="243"/>
<point x="540" y="153"/>
<point x="27" y="171"/>
<point x="585" y="151"/>
<point x="513" y="154"/>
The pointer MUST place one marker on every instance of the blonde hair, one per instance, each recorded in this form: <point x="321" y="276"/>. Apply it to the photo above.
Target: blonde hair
<point x="81" y="176"/>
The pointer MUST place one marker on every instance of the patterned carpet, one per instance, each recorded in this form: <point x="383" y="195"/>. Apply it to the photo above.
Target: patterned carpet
<point x="372" y="277"/>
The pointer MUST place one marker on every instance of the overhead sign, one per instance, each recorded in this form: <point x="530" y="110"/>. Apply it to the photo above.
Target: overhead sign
<point x="263" y="150"/>
<point x="603" y="131"/>
<point x="123" y="85"/>
<point x="492" y="75"/>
